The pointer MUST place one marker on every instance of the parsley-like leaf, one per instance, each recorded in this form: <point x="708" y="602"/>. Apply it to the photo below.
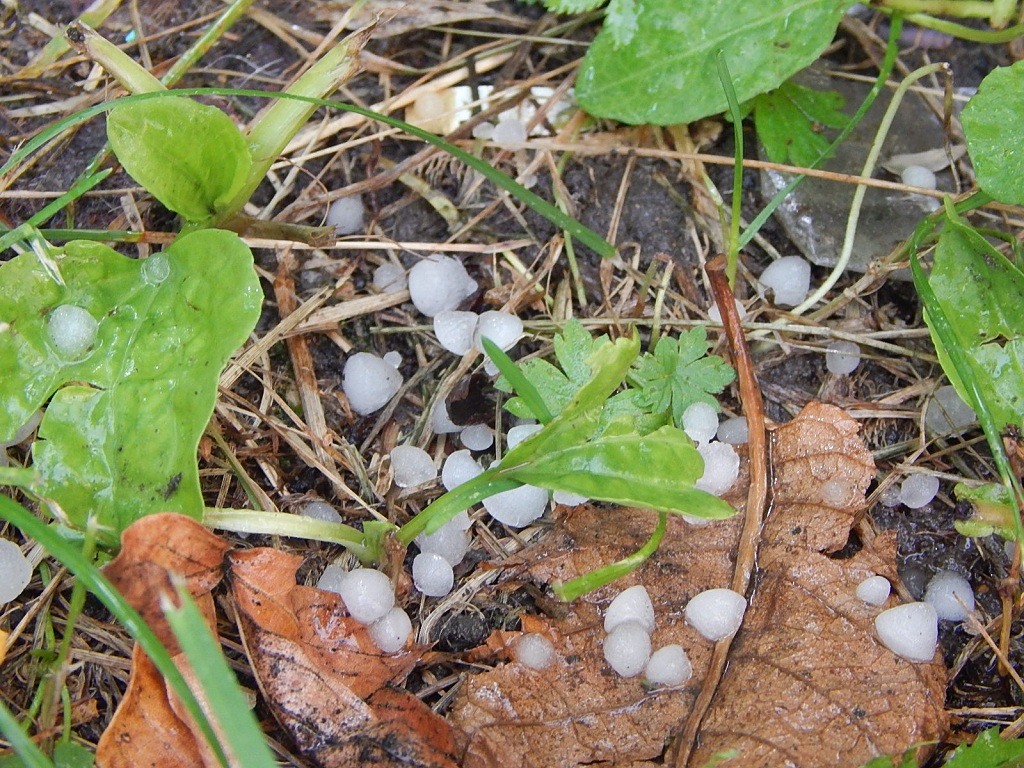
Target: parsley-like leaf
<point x="788" y="119"/>
<point x="679" y="374"/>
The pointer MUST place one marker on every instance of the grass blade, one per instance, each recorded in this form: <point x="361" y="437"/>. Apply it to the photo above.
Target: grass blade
<point x="522" y="385"/>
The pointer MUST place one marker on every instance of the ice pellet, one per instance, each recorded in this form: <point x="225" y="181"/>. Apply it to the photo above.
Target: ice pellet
<point x="392" y="358"/>
<point x="390" y="632"/>
<point x="483" y="130"/>
<point x="518" y="507"/>
<point x="633" y="604"/>
<point x="331" y="579"/>
<point x="389" y="278"/>
<point x="15" y="571"/>
<point x="669" y="666"/>
<point x="947" y="412"/>
<point x="440" y="422"/>
<point x="721" y="467"/>
<point x="346" y="215"/>
<point x="432" y="574"/>
<point x="438" y="283"/>
<point x="520" y="432"/>
<point x="918" y="490"/>
<point x="951" y="596"/>
<point x="716" y="613"/>
<point x="627" y="649"/>
<point x="509" y="130"/>
<point x="367" y="594"/>
<point x="412" y="466"/>
<point x="874" y="590"/>
<point x="72" y="330"/>
<point x="460" y="467"/>
<point x="700" y="422"/>
<point x="715" y="314"/>
<point x="502" y="328"/>
<point x="320" y="510"/>
<point x="919" y="176"/>
<point x="842" y="357"/>
<point x="478" y="437"/>
<point x="369" y="382"/>
<point x="789" y="278"/>
<point x="535" y="651"/>
<point x="450" y="541"/>
<point x="910" y="630"/>
<point x="567" y="499"/>
<point x="455" y="330"/>
<point x="734" y="431"/>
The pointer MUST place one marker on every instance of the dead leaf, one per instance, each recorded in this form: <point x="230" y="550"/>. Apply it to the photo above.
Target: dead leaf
<point x="806" y="669"/>
<point x="322" y="676"/>
<point x="397" y="17"/>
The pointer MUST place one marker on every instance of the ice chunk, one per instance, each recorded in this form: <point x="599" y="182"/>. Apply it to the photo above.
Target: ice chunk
<point x="700" y="422"/>
<point x="567" y="499"/>
<point x="919" y="176"/>
<point x="478" y="437"/>
<point x="502" y="328"/>
<point x="346" y="215"/>
<point x="627" y="649"/>
<point x="842" y="357"/>
<point x="331" y="579"/>
<point x="450" y="541"/>
<point x="874" y="590"/>
<point x="412" y="466"/>
<point x="432" y="574"/>
<point x="459" y="467"/>
<point x="633" y="604"/>
<point x="389" y="278"/>
<point x="716" y="613"/>
<point x="455" y="330"/>
<point x="438" y="283"/>
<point x="951" y="596"/>
<point x="390" y="632"/>
<point x="509" y="130"/>
<point x="369" y="382"/>
<point x="320" y="510"/>
<point x="721" y="467"/>
<point x="669" y="666"/>
<point x="734" y="431"/>
<point x="535" y="651"/>
<point x="15" y="571"/>
<point x="910" y="630"/>
<point x="789" y="278"/>
<point x="519" y="507"/>
<point x="918" y="490"/>
<point x="72" y="331"/>
<point x="948" y="413"/>
<point x="520" y="432"/>
<point x="367" y="593"/>
<point x="440" y="421"/>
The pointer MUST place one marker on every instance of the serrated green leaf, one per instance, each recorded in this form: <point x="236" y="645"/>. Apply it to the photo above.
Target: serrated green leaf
<point x="621" y="21"/>
<point x="994" y="133"/>
<point x="667" y="73"/>
<point x="189" y="156"/>
<point x="988" y="751"/>
<point x="788" y="119"/>
<point x="120" y="442"/>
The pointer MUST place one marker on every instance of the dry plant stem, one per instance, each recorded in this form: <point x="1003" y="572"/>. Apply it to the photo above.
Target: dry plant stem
<point x="757" y="496"/>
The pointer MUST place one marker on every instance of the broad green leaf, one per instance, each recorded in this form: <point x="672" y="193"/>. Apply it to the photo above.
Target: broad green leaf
<point x="189" y="156"/>
<point x="992" y="127"/>
<point x="667" y="73"/>
<point x="788" y="122"/>
<point x="120" y="441"/>
<point x="988" y="751"/>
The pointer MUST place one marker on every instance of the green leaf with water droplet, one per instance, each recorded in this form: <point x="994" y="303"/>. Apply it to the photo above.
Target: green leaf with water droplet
<point x="995" y="136"/>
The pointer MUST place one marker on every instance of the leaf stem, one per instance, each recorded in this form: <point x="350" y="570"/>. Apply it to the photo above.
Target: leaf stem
<point x="733" y="251"/>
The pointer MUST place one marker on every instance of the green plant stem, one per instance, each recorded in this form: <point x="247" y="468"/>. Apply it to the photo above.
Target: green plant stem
<point x="450" y="504"/>
<point x="58" y="46"/>
<point x="122" y="67"/>
<point x="987" y="36"/>
<point x="283" y="524"/>
<point x="961" y="9"/>
<point x="858" y="196"/>
<point x="206" y="41"/>
<point x="733" y="250"/>
<point x="81" y="186"/>
<point x="28" y="753"/>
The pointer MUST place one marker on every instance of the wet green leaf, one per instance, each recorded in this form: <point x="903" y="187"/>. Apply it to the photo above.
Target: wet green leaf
<point x="119" y="436"/>
<point x="995" y="135"/>
<point x="667" y="73"/>
<point x="788" y="122"/>
<point x="189" y="156"/>
<point x="988" y="751"/>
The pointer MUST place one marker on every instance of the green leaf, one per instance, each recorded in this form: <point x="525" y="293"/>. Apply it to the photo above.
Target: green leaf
<point x="573" y="6"/>
<point x="988" y="751"/>
<point x="189" y="156"/>
<point x="992" y="127"/>
<point x="666" y="73"/>
<point x="993" y="510"/>
<point x="119" y="436"/>
<point x="679" y="374"/>
<point x="788" y="122"/>
<point x="68" y="754"/>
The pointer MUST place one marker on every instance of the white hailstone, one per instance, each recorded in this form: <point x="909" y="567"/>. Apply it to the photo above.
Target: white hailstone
<point x="330" y="580"/>
<point x="391" y="632"/>
<point x="633" y="604"/>
<point x="715" y="314"/>
<point x="368" y="594"/>
<point x="918" y="490"/>
<point x="890" y="497"/>
<point x="478" y="437"/>
<point x="919" y="176"/>
<point x="389" y="278"/>
<point x="369" y="382"/>
<point x="910" y="630"/>
<point x="455" y="330"/>
<point x="432" y="574"/>
<point x="535" y="651"/>
<point x="669" y="666"/>
<point x="842" y="357"/>
<point x="438" y="283"/>
<point x="874" y="590"/>
<point x="440" y="422"/>
<point x="947" y="412"/>
<point x="518" y="507"/>
<point x="412" y="466"/>
<point x="460" y="467"/>
<point x="483" y="130"/>
<point x="520" y="432"/>
<point x="502" y="328"/>
<point x="15" y="571"/>
<point x="567" y="499"/>
<point x="72" y="330"/>
<point x="450" y="541"/>
<point x="320" y="510"/>
<point x="716" y="613"/>
<point x="734" y="431"/>
<point x="951" y="596"/>
<point x="721" y="468"/>
<point x="508" y="131"/>
<point x="789" y="278"/>
<point x="346" y="215"/>
<point x="627" y="649"/>
<point x="700" y="422"/>
<point x="394" y="359"/>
